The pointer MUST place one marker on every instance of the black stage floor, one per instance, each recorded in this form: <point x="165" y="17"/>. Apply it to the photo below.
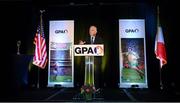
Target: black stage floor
<point x="104" y="95"/>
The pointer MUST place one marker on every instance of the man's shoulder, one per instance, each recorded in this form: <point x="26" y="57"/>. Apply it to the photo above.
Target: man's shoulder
<point x="99" y="39"/>
<point x="98" y="36"/>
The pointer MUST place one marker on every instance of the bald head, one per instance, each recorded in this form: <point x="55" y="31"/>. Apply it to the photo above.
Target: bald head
<point x="93" y="30"/>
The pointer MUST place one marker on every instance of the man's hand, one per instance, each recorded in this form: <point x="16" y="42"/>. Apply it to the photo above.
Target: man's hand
<point x="81" y="42"/>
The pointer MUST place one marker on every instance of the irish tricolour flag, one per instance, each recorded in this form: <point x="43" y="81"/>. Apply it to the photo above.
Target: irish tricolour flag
<point x="160" y="49"/>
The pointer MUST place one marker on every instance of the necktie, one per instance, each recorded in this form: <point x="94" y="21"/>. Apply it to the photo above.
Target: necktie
<point x="92" y="40"/>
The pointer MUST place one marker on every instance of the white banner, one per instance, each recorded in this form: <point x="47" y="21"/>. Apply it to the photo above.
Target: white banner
<point x="61" y="59"/>
<point x="132" y="49"/>
<point x="89" y="50"/>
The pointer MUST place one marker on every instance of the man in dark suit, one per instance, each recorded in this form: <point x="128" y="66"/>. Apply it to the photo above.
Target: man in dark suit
<point x="93" y="38"/>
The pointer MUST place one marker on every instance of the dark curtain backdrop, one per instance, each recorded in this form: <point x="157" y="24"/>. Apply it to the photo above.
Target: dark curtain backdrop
<point x="105" y="17"/>
<point x="22" y="24"/>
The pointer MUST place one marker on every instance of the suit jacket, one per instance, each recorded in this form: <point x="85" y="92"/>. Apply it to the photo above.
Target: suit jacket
<point x="98" y="40"/>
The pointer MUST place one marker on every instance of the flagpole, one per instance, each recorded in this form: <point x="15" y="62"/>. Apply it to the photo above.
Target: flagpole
<point x="41" y="11"/>
<point x="160" y="74"/>
<point x="38" y="79"/>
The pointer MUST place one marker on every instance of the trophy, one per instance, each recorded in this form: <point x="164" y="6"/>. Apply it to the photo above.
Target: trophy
<point x="18" y="46"/>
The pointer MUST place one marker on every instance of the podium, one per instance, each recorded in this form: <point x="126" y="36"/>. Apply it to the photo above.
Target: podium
<point x="89" y="51"/>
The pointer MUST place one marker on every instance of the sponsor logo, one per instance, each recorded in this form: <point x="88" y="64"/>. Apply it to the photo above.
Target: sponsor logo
<point x="61" y="31"/>
<point x="131" y="30"/>
<point x="96" y="50"/>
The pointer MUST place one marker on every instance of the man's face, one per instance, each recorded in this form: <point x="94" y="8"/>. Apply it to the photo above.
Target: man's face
<point x="92" y="31"/>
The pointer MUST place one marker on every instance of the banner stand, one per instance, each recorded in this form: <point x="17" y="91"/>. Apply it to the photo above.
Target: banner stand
<point x="132" y="49"/>
<point x="61" y="58"/>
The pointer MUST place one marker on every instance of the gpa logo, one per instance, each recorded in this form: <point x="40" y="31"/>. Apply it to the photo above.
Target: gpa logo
<point x="89" y="50"/>
<point x="61" y="31"/>
<point x="131" y="30"/>
<point x="98" y="50"/>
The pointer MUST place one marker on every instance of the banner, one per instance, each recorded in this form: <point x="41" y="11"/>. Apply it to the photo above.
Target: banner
<point x="61" y="59"/>
<point x="132" y="49"/>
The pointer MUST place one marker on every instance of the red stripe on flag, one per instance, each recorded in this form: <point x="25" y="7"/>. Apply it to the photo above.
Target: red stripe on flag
<point x="40" y="56"/>
<point x="161" y="52"/>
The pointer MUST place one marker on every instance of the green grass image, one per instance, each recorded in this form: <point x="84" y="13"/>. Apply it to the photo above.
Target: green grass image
<point x="60" y="79"/>
<point x="132" y="76"/>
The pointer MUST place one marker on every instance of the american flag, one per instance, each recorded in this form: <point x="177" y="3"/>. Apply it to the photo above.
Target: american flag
<point x="40" y="55"/>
